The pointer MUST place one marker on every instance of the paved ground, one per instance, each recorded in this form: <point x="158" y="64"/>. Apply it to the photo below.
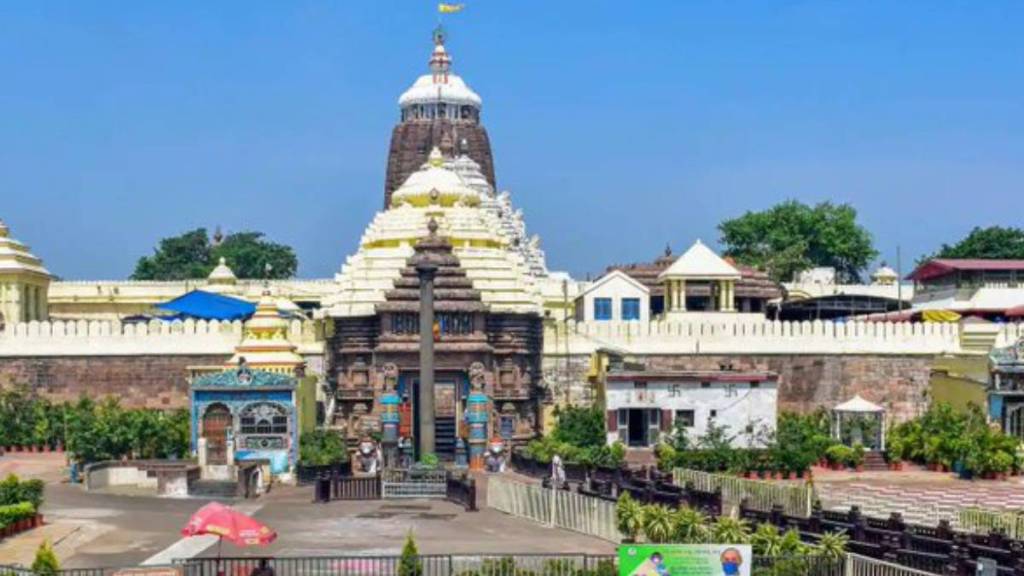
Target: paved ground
<point x="921" y="496"/>
<point x="90" y="529"/>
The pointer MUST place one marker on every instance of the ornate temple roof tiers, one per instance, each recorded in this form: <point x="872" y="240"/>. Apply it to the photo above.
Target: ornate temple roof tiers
<point x="24" y="282"/>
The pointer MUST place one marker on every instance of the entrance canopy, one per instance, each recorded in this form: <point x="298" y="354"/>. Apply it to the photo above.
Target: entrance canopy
<point x="858" y="421"/>
<point x="858" y="405"/>
<point x="209" y="306"/>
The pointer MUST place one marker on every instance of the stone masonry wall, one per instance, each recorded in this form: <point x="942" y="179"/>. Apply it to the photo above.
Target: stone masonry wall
<point x="806" y="381"/>
<point x="138" y="381"/>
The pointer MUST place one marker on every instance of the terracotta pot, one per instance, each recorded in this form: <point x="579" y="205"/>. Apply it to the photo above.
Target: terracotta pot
<point x="792" y="475"/>
<point x="750" y="475"/>
<point x="860" y="468"/>
<point x="837" y="466"/>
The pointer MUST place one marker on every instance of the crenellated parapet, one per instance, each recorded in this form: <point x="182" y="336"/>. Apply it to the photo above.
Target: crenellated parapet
<point x="113" y="338"/>
<point x="773" y="337"/>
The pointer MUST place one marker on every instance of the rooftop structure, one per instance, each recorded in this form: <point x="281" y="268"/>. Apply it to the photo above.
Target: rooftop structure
<point x="24" y="282"/>
<point x="976" y="287"/>
<point x="438" y="110"/>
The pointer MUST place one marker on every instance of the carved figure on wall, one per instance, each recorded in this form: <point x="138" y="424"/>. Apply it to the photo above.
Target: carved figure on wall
<point x="369" y="456"/>
<point x="390" y="372"/>
<point x="477" y="376"/>
<point x="244" y="373"/>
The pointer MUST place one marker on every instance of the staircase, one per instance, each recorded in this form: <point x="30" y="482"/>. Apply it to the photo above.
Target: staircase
<point x="215" y="489"/>
<point x="874" y="462"/>
<point x="444" y="438"/>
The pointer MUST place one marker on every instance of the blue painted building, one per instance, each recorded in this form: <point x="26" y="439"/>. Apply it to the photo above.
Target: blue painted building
<point x="1006" y="389"/>
<point x="254" y="409"/>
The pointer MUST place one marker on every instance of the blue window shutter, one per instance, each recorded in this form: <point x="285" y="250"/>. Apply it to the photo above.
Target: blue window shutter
<point x="602" y="308"/>
<point x="630" y="308"/>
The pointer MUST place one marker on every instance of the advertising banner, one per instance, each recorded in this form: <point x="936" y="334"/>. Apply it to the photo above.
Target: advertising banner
<point x="685" y="560"/>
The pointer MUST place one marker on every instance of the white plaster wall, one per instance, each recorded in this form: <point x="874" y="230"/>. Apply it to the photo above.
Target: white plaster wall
<point x="737" y="404"/>
<point x="616" y="288"/>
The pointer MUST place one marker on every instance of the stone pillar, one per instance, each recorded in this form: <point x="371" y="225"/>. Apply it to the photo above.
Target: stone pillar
<point x="681" y="295"/>
<point x="201" y="452"/>
<point x="425" y="406"/>
<point x="389" y="421"/>
<point x="476" y="415"/>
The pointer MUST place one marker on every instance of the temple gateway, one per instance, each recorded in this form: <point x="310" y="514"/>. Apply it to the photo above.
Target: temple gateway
<point x="442" y="300"/>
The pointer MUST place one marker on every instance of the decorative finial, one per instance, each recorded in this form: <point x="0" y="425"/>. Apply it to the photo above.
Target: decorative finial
<point x="218" y="236"/>
<point x="223" y="261"/>
<point x="3" y="229"/>
<point x="668" y="249"/>
<point x="440" y="35"/>
<point x="432" y="226"/>
<point x="436" y="158"/>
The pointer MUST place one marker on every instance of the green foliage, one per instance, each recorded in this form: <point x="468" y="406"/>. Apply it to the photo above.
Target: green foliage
<point x="690" y="526"/>
<point x="943" y="436"/>
<point x="321" y="448"/>
<point x="581" y="427"/>
<point x="11" y="513"/>
<point x="792" y="236"/>
<point x="629" y="516"/>
<point x="429" y="461"/>
<point x="726" y="530"/>
<point x="409" y="564"/>
<point x="14" y="491"/>
<point x="659" y="523"/>
<point x="106" y="431"/>
<point x="192" y="256"/>
<point x="579" y="437"/>
<point x="798" y="442"/>
<point x="833" y="545"/>
<point x="45" y="563"/>
<point x="993" y="242"/>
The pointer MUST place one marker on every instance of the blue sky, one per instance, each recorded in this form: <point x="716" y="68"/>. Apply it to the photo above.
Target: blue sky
<point x="617" y="126"/>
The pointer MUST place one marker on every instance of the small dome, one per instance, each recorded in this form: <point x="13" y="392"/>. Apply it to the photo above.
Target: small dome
<point x="429" y="89"/>
<point x="434" y="183"/>
<point x="16" y="257"/>
<point x="222" y="274"/>
<point x="884" y="275"/>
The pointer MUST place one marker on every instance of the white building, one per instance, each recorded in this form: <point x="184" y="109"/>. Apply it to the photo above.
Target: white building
<point x="614" y="297"/>
<point x="642" y="406"/>
<point x="699" y="267"/>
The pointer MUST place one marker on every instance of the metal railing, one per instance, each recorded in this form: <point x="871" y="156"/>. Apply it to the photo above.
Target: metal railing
<point x="424" y="565"/>
<point x="857" y="565"/>
<point x="981" y="521"/>
<point x="796" y="500"/>
<point x="412" y="483"/>
<point x="568" y="510"/>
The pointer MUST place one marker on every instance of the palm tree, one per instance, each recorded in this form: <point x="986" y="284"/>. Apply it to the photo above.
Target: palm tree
<point x="833" y="545"/>
<point x="690" y="526"/>
<point x="766" y="541"/>
<point x="658" y="525"/>
<point x="629" y="516"/>
<point x="727" y="530"/>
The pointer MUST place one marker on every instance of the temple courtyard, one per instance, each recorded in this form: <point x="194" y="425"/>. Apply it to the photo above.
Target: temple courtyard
<point x="95" y="529"/>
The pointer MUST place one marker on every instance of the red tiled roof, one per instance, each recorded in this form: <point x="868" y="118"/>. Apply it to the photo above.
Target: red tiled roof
<point x="939" y="267"/>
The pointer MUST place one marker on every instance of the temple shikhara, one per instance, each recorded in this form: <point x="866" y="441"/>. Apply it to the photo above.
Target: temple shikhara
<point x="444" y="330"/>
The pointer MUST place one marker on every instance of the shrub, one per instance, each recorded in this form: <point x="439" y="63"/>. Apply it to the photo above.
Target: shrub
<point x="12" y="513"/>
<point x="409" y="563"/>
<point x="581" y="427"/>
<point x="629" y="516"/>
<point x="45" y="563"/>
<point x="321" y="448"/>
<point x="15" y="491"/>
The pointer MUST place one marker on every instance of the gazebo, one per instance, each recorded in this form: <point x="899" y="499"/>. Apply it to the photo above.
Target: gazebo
<point x="860" y="410"/>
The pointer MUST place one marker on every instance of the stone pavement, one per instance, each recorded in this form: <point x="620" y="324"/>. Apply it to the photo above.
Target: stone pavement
<point x="111" y="530"/>
<point x="921" y="496"/>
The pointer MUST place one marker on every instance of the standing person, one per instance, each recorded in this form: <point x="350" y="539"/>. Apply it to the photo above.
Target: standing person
<point x="557" y="472"/>
<point x="263" y="569"/>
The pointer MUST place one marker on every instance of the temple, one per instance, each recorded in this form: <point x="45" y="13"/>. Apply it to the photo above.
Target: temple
<point x="438" y="110"/>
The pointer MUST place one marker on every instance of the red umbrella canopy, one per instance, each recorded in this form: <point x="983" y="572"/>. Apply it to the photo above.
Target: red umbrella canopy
<point x="229" y="524"/>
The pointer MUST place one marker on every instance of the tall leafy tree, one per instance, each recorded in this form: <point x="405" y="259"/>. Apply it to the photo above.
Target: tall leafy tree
<point x="792" y="236"/>
<point x="993" y="242"/>
<point x="192" y="256"/>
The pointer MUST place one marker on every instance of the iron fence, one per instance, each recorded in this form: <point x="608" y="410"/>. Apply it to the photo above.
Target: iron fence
<point x="796" y="500"/>
<point x="413" y="483"/>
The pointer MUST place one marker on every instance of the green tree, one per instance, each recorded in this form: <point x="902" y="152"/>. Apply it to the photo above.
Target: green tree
<point x="581" y="427"/>
<point x="45" y="563"/>
<point x="409" y="563"/>
<point x="192" y="256"/>
<point x="792" y="236"/>
<point x="993" y="242"/>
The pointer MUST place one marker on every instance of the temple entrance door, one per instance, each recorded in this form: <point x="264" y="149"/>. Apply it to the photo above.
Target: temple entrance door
<point x="444" y="419"/>
<point x="216" y="423"/>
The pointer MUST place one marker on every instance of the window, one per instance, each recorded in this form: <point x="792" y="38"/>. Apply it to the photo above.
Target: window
<point x="714" y="413"/>
<point x="755" y="384"/>
<point x="705" y="384"/>
<point x="685" y="418"/>
<point x="630" y="308"/>
<point x="264" y="418"/>
<point x="602" y="308"/>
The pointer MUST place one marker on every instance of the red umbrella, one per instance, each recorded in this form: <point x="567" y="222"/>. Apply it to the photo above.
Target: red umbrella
<point x="226" y="522"/>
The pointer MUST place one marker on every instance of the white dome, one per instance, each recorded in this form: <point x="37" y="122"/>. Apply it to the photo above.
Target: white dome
<point x="430" y="89"/>
<point x="435" y="184"/>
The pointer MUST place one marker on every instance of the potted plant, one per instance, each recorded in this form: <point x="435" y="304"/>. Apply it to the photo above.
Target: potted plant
<point x="857" y="457"/>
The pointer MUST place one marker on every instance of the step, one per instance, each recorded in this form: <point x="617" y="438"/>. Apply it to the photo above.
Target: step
<point x="213" y="489"/>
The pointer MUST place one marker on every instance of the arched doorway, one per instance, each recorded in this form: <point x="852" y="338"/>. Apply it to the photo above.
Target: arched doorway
<point x="216" y="423"/>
